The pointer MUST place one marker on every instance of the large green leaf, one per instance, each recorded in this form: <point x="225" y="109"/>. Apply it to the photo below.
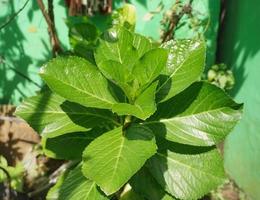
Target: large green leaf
<point x="52" y="115"/>
<point x="111" y="159"/>
<point x="77" y="187"/>
<point x="116" y="45"/>
<point x="69" y="146"/>
<point x="202" y="115"/>
<point x="143" y="107"/>
<point x="77" y="80"/>
<point x="185" y="65"/>
<point x="144" y="184"/>
<point x="150" y="66"/>
<point x="187" y="172"/>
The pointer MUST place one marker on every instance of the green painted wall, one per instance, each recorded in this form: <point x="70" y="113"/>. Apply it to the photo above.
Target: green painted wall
<point x="240" y="49"/>
<point x="25" y="45"/>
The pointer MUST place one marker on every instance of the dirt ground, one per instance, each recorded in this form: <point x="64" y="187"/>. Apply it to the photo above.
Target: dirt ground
<point x="19" y="143"/>
<point x="17" y="138"/>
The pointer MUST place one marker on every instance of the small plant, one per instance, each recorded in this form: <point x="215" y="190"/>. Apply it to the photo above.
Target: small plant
<point x="134" y="117"/>
<point x="12" y="176"/>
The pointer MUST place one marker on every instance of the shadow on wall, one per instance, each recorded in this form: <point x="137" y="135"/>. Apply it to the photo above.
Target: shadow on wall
<point x="11" y="44"/>
<point x="238" y="46"/>
<point x="24" y="47"/>
<point x="211" y="24"/>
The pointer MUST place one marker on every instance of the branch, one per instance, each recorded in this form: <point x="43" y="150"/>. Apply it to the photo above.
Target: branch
<point x="45" y="185"/>
<point x="13" y="16"/>
<point x="186" y="9"/>
<point x="49" y="18"/>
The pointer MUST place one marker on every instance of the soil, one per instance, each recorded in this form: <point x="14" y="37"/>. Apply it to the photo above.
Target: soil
<point x="19" y="143"/>
<point x="17" y="138"/>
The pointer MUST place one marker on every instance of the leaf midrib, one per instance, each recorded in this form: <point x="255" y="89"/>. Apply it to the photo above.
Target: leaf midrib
<point x="118" y="156"/>
<point x="90" y="189"/>
<point x="195" y="114"/>
<point x="175" y="71"/>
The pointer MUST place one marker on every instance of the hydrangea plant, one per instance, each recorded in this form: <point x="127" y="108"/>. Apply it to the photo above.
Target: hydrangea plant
<point x="134" y="116"/>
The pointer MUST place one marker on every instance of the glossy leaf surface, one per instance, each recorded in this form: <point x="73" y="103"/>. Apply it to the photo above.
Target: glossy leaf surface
<point x="77" y="80"/>
<point x="187" y="172"/>
<point x="77" y="187"/>
<point x="111" y="159"/>
<point x="201" y="115"/>
<point x="185" y="65"/>
<point x="51" y="115"/>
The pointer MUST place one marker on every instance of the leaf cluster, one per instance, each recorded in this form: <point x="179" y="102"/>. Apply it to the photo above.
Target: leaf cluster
<point x="133" y="114"/>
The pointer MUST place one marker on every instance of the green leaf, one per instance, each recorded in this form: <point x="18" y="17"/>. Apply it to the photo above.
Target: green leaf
<point x="119" y="51"/>
<point x="185" y="65"/>
<point x="53" y="193"/>
<point x="111" y="159"/>
<point x="120" y="75"/>
<point x="142" y="44"/>
<point x="144" y="184"/>
<point x="116" y="45"/>
<point x="143" y="107"/>
<point x="80" y="29"/>
<point x="78" y="81"/>
<point x="77" y="187"/>
<point x="69" y="146"/>
<point x="52" y="115"/>
<point x="187" y="172"/>
<point x="202" y="115"/>
<point x="150" y="66"/>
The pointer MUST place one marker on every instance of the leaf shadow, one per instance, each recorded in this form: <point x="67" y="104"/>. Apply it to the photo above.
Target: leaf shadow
<point x="177" y="104"/>
<point x="164" y="147"/>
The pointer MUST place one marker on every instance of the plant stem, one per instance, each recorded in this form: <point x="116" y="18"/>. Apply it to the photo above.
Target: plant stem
<point x="13" y="16"/>
<point x="52" y="179"/>
<point x="49" y="18"/>
<point x="176" y="17"/>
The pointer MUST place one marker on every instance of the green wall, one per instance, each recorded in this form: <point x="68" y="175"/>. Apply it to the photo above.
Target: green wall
<point x="25" y="46"/>
<point x="240" y="49"/>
